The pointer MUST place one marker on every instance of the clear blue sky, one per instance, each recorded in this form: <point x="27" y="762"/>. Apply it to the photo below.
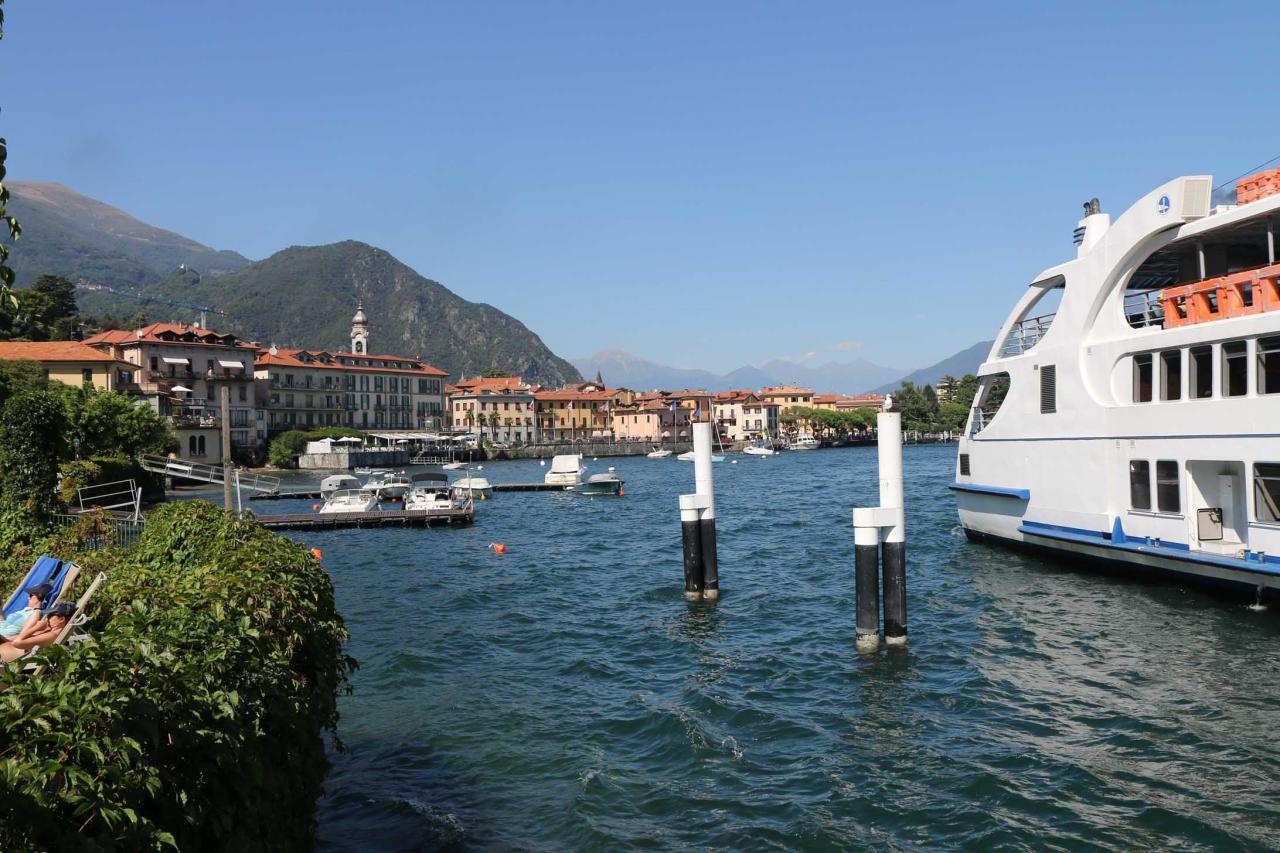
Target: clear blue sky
<point x="704" y="184"/>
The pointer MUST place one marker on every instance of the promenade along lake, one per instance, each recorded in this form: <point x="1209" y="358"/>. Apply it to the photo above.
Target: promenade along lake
<point x="565" y="696"/>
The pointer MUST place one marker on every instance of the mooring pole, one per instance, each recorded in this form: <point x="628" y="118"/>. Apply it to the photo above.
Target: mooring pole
<point x="866" y="567"/>
<point x="704" y="486"/>
<point x="225" y="396"/>
<point x="691" y="539"/>
<point x="894" y="546"/>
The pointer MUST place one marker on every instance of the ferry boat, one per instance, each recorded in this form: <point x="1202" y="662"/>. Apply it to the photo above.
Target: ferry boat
<point x="1138" y="425"/>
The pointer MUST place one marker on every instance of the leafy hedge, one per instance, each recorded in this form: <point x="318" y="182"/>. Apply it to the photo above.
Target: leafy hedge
<point x="197" y="718"/>
<point x="286" y="446"/>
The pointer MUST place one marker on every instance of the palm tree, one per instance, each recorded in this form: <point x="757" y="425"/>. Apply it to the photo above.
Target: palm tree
<point x="494" y="420"/>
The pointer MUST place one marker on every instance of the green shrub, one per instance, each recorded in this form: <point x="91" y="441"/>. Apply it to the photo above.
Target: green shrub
<point x="286" y="446"/>
<point x="197" y="718"/>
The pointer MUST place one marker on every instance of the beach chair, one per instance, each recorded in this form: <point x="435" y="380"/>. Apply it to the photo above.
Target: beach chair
<point x="73" y="632"/>
<point x="44" y="571"/>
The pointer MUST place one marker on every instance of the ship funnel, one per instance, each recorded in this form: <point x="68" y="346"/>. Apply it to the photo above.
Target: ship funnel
<point x="1089" y="230"/>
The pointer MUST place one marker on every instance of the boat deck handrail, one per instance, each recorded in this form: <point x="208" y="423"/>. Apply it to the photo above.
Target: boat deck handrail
<point x="1025" y="334"/>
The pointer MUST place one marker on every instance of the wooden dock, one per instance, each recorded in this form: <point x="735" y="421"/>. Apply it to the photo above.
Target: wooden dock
<point x="528" y="487"/>
<point x="386" y="518"/>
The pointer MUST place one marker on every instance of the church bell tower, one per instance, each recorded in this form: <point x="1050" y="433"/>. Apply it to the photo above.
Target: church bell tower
<point x="360" y="331"/>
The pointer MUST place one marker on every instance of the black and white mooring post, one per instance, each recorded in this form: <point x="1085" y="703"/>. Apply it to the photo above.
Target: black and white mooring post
<point x="883" y="529"/>
<point x="698" y="523"/>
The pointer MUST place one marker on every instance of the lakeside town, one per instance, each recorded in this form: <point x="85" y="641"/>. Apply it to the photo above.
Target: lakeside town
<point x="178" y="369"/>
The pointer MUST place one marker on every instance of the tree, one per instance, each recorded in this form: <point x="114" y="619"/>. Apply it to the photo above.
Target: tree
<point x="107" y="423"/>
<point x="62" y="316"/>
<point x="32" y="444"/>
<point x="493" y="373"/>
<point x="493" y="424"/>
<point x="7" y="222"/>
<point x="19" y="376"/>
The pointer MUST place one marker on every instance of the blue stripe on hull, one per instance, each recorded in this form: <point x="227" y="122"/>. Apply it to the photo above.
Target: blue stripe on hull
<point x="1123" y="567"/>
<point x="1165" y="550"/>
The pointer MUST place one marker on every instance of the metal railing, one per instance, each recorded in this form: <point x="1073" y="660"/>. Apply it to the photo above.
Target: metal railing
<point x="1026" y="334"/>
<point x="103" y="531"/>
<point x="1143" y="308"/>
<point x="203" y="473"/>
<point x="982" y="416"/>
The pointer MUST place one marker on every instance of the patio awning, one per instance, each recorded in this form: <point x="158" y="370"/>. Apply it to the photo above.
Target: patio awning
<point x="171" y="360"/>
<point x="231" y="365"/>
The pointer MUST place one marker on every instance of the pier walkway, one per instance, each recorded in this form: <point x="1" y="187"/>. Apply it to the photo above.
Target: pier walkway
<point x="385" y="518"/>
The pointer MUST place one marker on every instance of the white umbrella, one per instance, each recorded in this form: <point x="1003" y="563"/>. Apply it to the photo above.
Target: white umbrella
<point x="402" y="441"/>
<point x="182" y="388"/>
<point x="350" y="439"/>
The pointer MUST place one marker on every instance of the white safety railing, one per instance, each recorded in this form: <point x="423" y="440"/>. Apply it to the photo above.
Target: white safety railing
<point x="1143" y="308"/>
<point x="202" y="473"/>
<point x="1026" y="334"/>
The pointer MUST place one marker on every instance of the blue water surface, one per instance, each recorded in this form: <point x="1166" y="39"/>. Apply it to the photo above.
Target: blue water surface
<point x="565" y="696"/>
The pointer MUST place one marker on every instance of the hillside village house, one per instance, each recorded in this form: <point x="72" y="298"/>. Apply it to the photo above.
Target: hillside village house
<point x="72" y="363"/>
<point x="502" y="408"/>
<point x="653" y="422"/>
<point x="580" y="411"/>
<point x="179" y="369"/>
<point x="787" y="396"/>
<point x="312" y="388"/>
<point x="745" y="416"/>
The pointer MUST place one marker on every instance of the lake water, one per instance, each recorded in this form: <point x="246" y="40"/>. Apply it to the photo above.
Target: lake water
<point x="565" y="696"/>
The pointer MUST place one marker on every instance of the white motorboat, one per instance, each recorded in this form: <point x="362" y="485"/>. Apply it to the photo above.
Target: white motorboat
<point x="393" y="486"/>
<point x="804" y="442"/>
<point x="430" y="491"/>
<point x="601" y="484"/>
<point x="758" y="450"/>
<point x="688" y="457"/>
<point x="350" y="500"/>
<point x="658" y="453"/>
<point x="454" y="466"/>
<point x="566" y="470"/>
<point x="473" y="486"/>
<point x="337" y="483"/>
<point x="1126" y="413"/>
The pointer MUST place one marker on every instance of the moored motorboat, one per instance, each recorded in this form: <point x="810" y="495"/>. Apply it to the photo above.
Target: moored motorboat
<point x="473" y="486"/>
<point x="601" y="484"/>
<point x="394" y="486"/>
<point x="689" y="457"/>
<point x="758" y="450"/>
<point x="658" y="453"/>
<point x="804" y="442"/>
<point x="350" y="500"/>
<point x="337" y="483"/>
<point x="430" y="491"/>
<point x="566" y="470"/>
<point x="454" y="466"/>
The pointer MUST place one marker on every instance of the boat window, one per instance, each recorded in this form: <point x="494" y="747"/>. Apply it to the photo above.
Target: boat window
<point x="1266" y="491"/>
<point x="992" y="390"/>
<point x="1140" y="484"/>
<point x="1235" y="369"/>
<point x="1171" y="374"/>
<point x="1201" y="372"/>
<point x="1142" y="378"/>
<point x="1167" y="491"/>
<point x="1269" y="365"/>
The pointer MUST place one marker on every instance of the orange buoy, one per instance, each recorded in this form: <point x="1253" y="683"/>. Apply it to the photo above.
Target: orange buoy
<point x="498" y="547"/>
<point x="621" y="493"/>
<point x="315" y="507"/>
<point x="317" y="553"/>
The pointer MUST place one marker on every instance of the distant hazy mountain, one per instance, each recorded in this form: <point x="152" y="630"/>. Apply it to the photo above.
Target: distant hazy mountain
<point x="965" y="361"/>
<point x="632" y="371"/>
<point x="303" y="296"/>
<point x="65" y="233"/>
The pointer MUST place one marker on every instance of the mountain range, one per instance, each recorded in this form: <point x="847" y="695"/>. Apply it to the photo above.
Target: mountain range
<point x="303" y="296"/>
<point x="617" y="367"/>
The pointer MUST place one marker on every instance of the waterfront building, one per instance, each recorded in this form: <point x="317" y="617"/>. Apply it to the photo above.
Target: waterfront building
<point x="788" y="396"/>
<point x="729" y="414"/>
<point x="72" y="363"/>
<point x="861" y="401"/>
<point x="178" y="369"/>
<point x="569" y="414"/>
<point x="760" y="419"/>
<point x="499" y="407"/>
<point x="311" y="388"/>
<point x="652" y="422"/>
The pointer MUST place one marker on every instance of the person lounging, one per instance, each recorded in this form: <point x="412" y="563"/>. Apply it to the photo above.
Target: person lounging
<point x="38" y="633"/>
<point x="12" y="625"/>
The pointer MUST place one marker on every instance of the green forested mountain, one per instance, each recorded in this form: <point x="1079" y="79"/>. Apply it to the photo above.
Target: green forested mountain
<point x="303" y="296"/>
<point x="68" y="234"/>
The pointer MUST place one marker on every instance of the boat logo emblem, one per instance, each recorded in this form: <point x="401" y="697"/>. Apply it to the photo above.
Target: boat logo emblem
<point x="1162" y="206"/>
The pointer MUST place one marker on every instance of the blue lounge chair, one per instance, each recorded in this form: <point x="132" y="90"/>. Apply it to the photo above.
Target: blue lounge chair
<point x="46" y="570"/>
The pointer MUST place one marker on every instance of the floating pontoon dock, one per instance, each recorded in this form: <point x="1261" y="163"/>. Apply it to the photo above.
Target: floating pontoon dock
<point x="388" y="518"/>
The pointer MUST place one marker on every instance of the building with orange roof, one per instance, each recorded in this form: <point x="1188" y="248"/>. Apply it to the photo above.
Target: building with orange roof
<point x="788" y="396"/>
<point x="500" y="407"/>
<point x="861" y="401"/>
<point x="179" y="368"/>
<point x="743" y="415"/>
<point x="72" y="363"/>
<point x="652" y="422"/>
<point x="312" y="388"/>
<point x="570" y="414"/>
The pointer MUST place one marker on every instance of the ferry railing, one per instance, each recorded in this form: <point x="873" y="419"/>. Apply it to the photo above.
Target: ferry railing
<point x="1026" y="334"/>
<point x="982" y="416"/>
<point x="1143" y="308"/>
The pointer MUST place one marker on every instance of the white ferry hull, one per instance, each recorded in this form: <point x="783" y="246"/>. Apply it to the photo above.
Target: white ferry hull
<point x="1142" y="439"/>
